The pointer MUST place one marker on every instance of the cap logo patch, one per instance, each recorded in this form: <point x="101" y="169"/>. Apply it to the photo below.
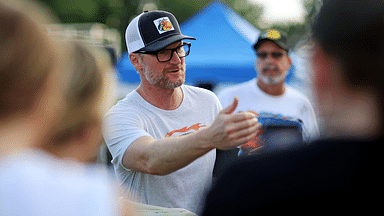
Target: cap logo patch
<point x="273" y="34"/>
<point x="163" y="25"/>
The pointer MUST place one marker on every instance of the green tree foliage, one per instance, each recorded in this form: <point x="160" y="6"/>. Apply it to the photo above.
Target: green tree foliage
<point x="118" y="13"/>
<point x="182" y="9"/>
<point x="251" y="12"/>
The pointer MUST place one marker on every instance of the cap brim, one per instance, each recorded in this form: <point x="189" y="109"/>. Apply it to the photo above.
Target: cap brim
<point x="260" y="41"/>
<point x="161" y="44"/>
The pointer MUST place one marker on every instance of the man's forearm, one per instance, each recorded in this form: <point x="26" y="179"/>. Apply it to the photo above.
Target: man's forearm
<point x="164" y="156"/>
<point x="167" y="155"/>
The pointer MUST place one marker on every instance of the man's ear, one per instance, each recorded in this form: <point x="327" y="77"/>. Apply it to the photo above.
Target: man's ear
<point x="322" y="69"/>
<point x="289" y="60"/>
<point x="136" y="60"/>
<point x="290" y="64"/>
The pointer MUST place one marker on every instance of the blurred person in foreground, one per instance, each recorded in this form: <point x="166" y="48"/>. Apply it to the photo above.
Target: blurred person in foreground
<point x="163" y="135"/>
<point x="341" y="173"/>
<point x="30" y="97"/>
<point x="268" y="95"/>
<point x="53" y="101"/>
<point x="89" y="95"/>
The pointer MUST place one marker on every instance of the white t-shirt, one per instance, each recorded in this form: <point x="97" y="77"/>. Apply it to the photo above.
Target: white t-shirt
<point x="34" y="183"/>
<point x="133" y="117"/>
<point x="291" y="104"/>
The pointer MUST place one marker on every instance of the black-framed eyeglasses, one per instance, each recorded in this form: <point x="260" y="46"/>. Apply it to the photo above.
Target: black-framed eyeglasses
<point x="165" y="55"/>
<point x="275" y="55"/>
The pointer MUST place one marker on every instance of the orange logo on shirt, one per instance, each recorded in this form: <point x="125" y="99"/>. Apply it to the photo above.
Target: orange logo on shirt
<point x="195" y="127"/>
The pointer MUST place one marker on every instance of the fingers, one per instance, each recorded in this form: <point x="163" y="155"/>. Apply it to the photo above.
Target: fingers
<point x="235" y="142"/>
<point x="242" y="125"/>
<point x="232" y="107"/>
<point x="244" y="130"/>
<point x="232" y="130"/>
<point x="240" y="134"/>
<point x="241" y="116"/>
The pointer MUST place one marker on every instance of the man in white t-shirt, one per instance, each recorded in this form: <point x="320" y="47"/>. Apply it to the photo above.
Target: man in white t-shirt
<point x="268" y="94"/>
<point x="163" y="135"/>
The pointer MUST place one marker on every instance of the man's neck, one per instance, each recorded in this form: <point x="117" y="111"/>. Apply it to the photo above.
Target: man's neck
<point x="274" y="90"/>
<point x="166" y="99"/>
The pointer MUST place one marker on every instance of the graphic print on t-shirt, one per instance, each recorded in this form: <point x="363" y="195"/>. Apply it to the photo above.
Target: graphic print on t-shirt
<point x="186" y="129"/>
<point x="274" y="120"/>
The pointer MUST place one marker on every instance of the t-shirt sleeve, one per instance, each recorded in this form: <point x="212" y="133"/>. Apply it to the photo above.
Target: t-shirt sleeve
<point x="120" y="129"/>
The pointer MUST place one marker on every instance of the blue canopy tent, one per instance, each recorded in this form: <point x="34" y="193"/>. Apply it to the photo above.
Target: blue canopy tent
<point x="222" y="53"/>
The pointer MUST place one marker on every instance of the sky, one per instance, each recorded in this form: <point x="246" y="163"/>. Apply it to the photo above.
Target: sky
<point x="282" y="10"/>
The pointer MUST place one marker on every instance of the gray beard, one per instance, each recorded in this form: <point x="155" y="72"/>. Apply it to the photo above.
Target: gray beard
<point x="271" y="80"/>
<point x="162" y="81"/>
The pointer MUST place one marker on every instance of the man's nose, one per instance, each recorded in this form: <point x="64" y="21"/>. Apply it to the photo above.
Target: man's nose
<point x="269" y="59"/>
<point x="175" y="58"/>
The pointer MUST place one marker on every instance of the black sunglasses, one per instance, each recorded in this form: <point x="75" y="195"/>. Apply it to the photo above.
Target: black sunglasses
<point x="275" y="55"/>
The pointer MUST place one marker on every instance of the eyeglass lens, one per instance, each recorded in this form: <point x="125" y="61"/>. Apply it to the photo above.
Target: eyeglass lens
<point x="167" y="54"/>
<point x="275" y="55"/>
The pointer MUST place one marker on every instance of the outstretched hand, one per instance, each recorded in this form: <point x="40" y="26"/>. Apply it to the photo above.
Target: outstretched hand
<point x="231" y="130"/>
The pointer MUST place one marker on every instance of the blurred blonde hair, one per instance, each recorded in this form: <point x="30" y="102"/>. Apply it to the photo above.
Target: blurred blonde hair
<point x="89" y="95"/>
<point x="28" y="55"/>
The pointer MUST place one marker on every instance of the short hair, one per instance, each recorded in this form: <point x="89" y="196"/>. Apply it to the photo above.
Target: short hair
<point x="352" y="32"/>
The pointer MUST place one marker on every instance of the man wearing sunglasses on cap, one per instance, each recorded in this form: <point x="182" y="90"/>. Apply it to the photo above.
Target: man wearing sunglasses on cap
<point x="268" y="94"/>
<point x="163" y="135"/>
